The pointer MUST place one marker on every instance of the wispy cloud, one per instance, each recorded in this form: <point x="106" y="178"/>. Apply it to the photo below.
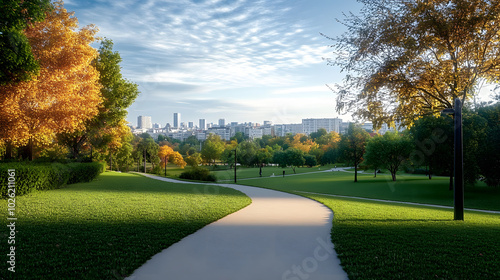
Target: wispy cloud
<point x="220" y="43"/>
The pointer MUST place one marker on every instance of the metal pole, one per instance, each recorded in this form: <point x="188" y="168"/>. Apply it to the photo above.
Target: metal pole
<point x="165" y="166"/>
<point x="235" y="166"/>
<point x="458" y="190"/>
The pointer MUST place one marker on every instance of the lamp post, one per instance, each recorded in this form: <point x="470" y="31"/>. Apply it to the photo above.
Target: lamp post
<point x="235" y="165"/>
<point x="165" y="166"/>
<point x="458" y="188"/>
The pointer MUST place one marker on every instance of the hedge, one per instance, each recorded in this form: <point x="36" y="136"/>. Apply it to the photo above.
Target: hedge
<point x="198" y="173"/>
<point x="46" y="176"/>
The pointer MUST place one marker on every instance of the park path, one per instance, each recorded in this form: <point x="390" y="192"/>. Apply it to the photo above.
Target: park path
<point x="278" y="236"/>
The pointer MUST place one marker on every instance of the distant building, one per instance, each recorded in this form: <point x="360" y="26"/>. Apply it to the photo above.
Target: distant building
<point x="284" y="129"/>
<point x="222" y="122"/>
<point x="224" y="133"/>
<point x="202" y="124"/>
<point x="177" y="120"/>
<point x="312" y="125"/>
<point x="144" y="122"/>
<point x="190" y="124"/>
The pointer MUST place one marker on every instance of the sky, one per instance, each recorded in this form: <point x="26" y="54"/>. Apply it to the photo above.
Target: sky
<point x="243" y="61"/>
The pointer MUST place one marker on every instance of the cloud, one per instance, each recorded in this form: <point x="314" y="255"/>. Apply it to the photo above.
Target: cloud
<point x="220" y="43"/>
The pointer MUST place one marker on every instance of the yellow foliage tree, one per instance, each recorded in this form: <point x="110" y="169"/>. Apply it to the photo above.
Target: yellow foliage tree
<point x="65" y="94"/>
<point x="304" y="145"/>
<point x="166" y="152"/>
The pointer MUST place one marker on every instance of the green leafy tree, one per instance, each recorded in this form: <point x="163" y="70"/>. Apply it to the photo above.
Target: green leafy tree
<point x="352" y="146"/>
<point x="389" y="151"/>
<point x="310" y="160"/>
<point x="212" y="148"/>
<point x="489" y="155"/>
<point x="433" y="140"/>
<point x="404" y="59"/>
<point x="17" y="62"/>
<point x="294" y="157"/>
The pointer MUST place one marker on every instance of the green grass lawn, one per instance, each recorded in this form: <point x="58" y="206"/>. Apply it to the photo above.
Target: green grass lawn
<point x="379" y="240"/>
<point x="245" y="172"/>
<point x="393" y="241"/>
<point x="107" y="228"/>
<point x="410" y="188"/>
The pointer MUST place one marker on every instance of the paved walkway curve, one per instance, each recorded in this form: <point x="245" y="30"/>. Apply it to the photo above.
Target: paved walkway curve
<point x="278" y="236"/>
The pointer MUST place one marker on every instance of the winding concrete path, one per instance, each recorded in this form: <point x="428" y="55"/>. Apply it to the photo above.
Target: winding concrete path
<point x="278" y="236"/>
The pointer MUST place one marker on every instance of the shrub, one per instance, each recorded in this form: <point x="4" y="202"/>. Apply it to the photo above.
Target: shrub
<point x="46" y="176"/>
<point x="199" y="174"/>
<point x="85" y="172"/>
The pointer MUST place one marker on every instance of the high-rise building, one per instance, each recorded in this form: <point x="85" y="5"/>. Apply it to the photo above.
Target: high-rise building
<point x="190" y="124"/>
<point x="177" y="120"/>
<point x="202" y="124"/>
<point x="312" y="125"/>
<point x="222" y="122"/>
<point x="144" y="122"/>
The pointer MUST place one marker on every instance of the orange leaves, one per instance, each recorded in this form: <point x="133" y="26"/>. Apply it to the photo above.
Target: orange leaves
<point x="171" y="156"/>
<point x="65" y="94"/>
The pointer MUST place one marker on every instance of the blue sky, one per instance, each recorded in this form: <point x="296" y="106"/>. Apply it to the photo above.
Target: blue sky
<point x="248" y="60"/>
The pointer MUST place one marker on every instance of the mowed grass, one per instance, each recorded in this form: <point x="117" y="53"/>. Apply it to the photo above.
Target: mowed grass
<point x="381" y="240"/>
<point x="409" y="188"/>
<point x="107" y="228"/>
<point x="225" y="174"/>
<point x="393" y="241"/>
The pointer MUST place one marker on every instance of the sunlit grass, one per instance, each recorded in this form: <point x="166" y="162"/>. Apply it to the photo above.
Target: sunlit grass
<point x="388" y="241"/>
<point x="107" y="228"/>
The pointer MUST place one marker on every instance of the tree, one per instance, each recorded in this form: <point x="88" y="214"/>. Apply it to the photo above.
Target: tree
<point x="389" y="151"/>
<point x="212" y="148"/>
<point x="247" y="153"/>
<point x="489" y="155"/>
<point x="310" y="160"/>
<point x="147" y="150"/>
<point x="66" y="93"/>
<point x="17" y="62"/>
<point x="433" y="140"/>
<point x="405" y="59"/>
<point x="118" y="94"/>
<point x="166" y="152"/>
<point x="294" y="157"/>
<point x="318" y="134"/>
<point x="352" y="146"/>
<point x="194" y="160"/>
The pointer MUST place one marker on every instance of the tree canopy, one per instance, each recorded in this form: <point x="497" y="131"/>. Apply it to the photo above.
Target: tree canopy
<point x="66" y="93"/>
<point x="17" y="62"/>
<point x="405" y="59"/>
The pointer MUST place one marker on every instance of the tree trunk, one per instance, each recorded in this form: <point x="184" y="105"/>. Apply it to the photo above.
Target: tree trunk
<point x="375" y="175"/>
<point x="355" y="173"/>
<point x="8" y="150"/>
<point x="145" y="161"/>
<point x="393" y="174"/>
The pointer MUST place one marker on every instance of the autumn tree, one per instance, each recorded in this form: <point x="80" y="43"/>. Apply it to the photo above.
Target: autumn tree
<point x="404" y="59"/>
<point x="17" y="62"/>
<point x="66" y="93"/>
<point x="118" y="94"/>
<point x="167" y="154"/>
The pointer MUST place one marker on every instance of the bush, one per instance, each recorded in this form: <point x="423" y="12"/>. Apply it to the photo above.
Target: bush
<point x="199" y="174"/>
<point x="85" y="172"/>
<point x="46" y="176"/>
